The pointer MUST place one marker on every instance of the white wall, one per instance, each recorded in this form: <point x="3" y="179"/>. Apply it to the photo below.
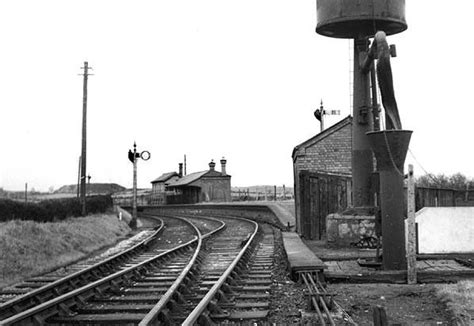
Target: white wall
<point x="445" y="230"/>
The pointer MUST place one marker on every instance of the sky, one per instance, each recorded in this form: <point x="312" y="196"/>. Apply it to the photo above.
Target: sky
<point x="211" y="79"/>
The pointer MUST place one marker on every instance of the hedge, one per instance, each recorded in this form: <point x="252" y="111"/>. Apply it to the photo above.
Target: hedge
<point x="52" y="209"/>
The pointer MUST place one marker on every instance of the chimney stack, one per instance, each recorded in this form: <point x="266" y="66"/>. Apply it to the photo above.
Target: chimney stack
<point x="180" y="173"/>
<point x="223" y="163"/>
<point x="212" y="165"/>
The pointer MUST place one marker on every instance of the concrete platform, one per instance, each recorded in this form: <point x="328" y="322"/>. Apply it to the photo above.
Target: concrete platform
<point x="283" y="210"/>
<point x="300" y="257"/>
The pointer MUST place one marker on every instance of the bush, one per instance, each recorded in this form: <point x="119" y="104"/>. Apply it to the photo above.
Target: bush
<point x="53" y="209"/>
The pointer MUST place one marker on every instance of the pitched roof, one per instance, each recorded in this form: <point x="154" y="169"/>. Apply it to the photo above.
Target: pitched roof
<point x="164" y="177"/>
<point x="323" y="134"/>
<point x="187" y="179"/>
<point x="190" y="178"/>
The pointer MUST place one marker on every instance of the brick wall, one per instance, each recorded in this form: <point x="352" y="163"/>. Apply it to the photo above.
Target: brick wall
<point x="330" y="152"/>
<point x="214" y="189"/>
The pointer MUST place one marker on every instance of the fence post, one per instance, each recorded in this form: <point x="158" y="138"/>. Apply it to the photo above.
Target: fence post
<point x="380" y="316"/>
<point x="411" y="238"/>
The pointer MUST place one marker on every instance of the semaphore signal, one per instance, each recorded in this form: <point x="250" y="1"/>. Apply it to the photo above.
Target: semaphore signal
<point x="320" y="113"/>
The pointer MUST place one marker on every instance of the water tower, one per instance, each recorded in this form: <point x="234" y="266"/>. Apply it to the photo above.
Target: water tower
<point x="361" y="20"/>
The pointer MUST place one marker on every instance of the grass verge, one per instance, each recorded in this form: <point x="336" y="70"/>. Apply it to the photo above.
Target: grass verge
<point x="459" y="298"/>
<point x="29" y="248"/>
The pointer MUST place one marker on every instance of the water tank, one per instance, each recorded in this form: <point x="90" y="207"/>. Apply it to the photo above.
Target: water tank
<point x="359" y="18"/>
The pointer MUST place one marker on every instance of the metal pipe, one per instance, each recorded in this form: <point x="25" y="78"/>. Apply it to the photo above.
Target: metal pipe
<point x="375" y="104"/>
<point x="369" y="59"/>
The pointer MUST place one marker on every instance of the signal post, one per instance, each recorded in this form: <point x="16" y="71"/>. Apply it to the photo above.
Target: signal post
<point x="133" y="157"/>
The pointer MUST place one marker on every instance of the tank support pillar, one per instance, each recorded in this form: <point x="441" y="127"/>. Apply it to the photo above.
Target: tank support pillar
<point x="362" y="159"/>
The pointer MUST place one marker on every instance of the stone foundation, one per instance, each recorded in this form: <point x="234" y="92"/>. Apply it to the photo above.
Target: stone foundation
<point x="346" y="229"/>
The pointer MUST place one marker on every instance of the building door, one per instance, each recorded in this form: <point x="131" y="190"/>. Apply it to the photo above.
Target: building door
<point x="320" y="195"/>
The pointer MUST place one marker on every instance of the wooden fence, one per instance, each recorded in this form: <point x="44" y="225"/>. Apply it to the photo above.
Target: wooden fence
<point x="264" y="193"/>
<point x="443" y="197"/>
<point x="434" y="197"/>
<point x="321" y="194"/>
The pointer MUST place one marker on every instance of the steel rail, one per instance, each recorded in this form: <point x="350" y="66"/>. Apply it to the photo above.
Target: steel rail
<point x="323" y="303"/>
<point x="154" y="313"/>
<point x="318" y="293"/>
<point x="58" y="303"/>
<point x="344" y="313"/>
<point x="11" y="307"/>
<point x="313" y="300"/>
<point x="199" y="309"/>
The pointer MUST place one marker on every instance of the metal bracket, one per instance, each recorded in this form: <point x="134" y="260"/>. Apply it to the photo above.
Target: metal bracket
<point x="363" y="115"/>
<point x="393" y="51"/>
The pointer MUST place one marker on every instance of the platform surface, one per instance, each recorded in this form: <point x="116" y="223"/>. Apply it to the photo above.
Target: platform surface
<point x="283" y="212"/>
<point x="300" y="257"/>
<point x="428" y="271"/>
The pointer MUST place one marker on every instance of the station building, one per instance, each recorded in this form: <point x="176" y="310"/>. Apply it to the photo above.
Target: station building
<point x="159" y="187"/>
<point x="204" y="186"/>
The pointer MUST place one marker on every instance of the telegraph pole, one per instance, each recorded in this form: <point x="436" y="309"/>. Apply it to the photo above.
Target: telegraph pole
<point x="84" y="139"/>
<point x="78" y="178"/>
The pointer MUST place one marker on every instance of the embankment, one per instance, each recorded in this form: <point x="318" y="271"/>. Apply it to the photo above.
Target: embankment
<point x="29" y="248"/>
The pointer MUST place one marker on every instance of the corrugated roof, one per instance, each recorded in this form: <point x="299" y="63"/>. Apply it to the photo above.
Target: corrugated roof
<point x="164" y="177"/>
<point x="187" y="179"/>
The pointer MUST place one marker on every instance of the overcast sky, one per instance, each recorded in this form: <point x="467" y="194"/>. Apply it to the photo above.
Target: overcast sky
<point x="211" y="78"/>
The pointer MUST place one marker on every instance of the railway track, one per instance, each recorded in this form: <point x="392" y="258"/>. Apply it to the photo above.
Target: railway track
<point x="62" y="294"/>
<point x="33" y="283"/>
<point x="125" y="296"/>
<point x="37" y="290"/>
<point x="230" y="290"/>
<point x="245" y="298"/>
<point x="176" y="285"/>
<point x="194" y="270"/>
